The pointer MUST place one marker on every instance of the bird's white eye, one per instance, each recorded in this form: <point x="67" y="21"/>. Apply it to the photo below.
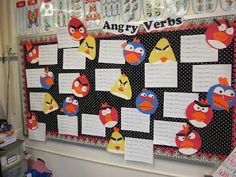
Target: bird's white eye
<point x="125" y="85"/>
<point x="222" y="27"/>
<point x="33" y="118"/>
<point x="181" y="138"/>
<point x="157" y="50"/>
<point x="75" y="102"/>
<point x="139" y="50"/>
<point x="230" y="31"/>
<point x="68" y="100"/>
<point x="72" y="30"/>
<point x="30" y="54"/>
<point x="76" y="84"/>
<point x="192" y="136"/>
<point x="34" y="51"/>
<point x="108" y="111"/>
<point x="44" y="75"/>
<point x="196" y="107"/>
<point x="104" y="112"/>
<point x="84" y="89"/>
<point x="219" y="90"/>
<point x="204" y="109"/>
<point x="50" y="74"/>
<point x="129" y="47"/>
<point x="151" y="96"/>
<point x="229" y="93"/>
<point x="81" y="30"/>
<point x="167" y="48"/>
<point x="143" y="94"/>
<point x="118" y="142"/>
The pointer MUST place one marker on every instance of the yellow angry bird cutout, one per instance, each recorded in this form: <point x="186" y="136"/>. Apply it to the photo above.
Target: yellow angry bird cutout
<point x="162" y="52"/>
<point x="49" y="104"/>
<point x="88" y="47"/>
<point x="116" y="143"/>
<point x="122" y="88"/>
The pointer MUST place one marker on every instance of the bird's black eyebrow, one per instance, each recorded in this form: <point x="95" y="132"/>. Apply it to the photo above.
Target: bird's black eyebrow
<point x="73" y="27"/>
<point x="200" y="104"/>
<point x="119" y="139"/>
<point x="82" y="83"/>
<point x="113" y="138"/>
<point x="217" y="22"/>
<point x="78" y="27"/>
<point x="106" y="108"/>
<point x="157" y="48"/>
<point x="120" y="81"/>
<point x="166" y="47"/>
<point x="90" y="47"/>
<point x="181" y="134"/>
<point x="125" y="82"/>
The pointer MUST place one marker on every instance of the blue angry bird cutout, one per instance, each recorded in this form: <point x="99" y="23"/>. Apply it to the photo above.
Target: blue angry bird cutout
<point x="47" y="79"/>
<point x="70" y="106"/>
<point x="134" y="52"/>
<point x="221" y="96"/>
<point x="147" y="102"/>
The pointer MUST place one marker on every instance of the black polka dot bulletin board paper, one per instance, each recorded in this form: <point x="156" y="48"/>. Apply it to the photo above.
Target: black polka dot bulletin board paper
<point x="217" y="139"/>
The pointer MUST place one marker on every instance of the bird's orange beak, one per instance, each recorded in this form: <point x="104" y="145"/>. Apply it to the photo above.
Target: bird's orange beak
<point x="199" y="116"/>
<point x="132" y="58"/>
<point x="121" y="89"/>
<point x="220" y="36"/>
<point x="78" y="90"/>
<point x="117" y="147"/>
<point x="163" y="59"/>
<point x="145" y="106"/>
<point x="77" y="36"/>
<point x="219" y="101"/>
<point x="50" y="107"/>
<point x="49" y="81"/>
<point x="108" y="118"/>
<point x="186" y="144"/>
<point x="87" y="51"/>
<point x="70" y="108"/>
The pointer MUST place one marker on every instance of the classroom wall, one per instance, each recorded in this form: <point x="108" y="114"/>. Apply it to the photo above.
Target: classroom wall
<point x="74" y="160"/>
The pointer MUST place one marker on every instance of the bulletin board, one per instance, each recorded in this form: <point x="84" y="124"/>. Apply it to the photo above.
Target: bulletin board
<point x="218" y="138"/>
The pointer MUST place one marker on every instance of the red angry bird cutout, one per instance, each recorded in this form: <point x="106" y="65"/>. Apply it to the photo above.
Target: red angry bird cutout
<point x="199" y="113"/>
<point x="188" y="141"/>
<point x="81" y="86"/>
<point x="32" y="121"/>
<point x="76" y="29"/>
<point x="108" y="115"/>
<point x="219" y="34"/>
<point x="32" y="53"/>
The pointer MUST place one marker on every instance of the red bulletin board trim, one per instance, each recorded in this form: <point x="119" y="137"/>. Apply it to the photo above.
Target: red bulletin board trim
<point x="102" y="142"/>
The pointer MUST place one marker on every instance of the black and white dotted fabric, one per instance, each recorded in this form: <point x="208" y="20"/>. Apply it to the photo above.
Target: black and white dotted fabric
<point x="216" y="137"/>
